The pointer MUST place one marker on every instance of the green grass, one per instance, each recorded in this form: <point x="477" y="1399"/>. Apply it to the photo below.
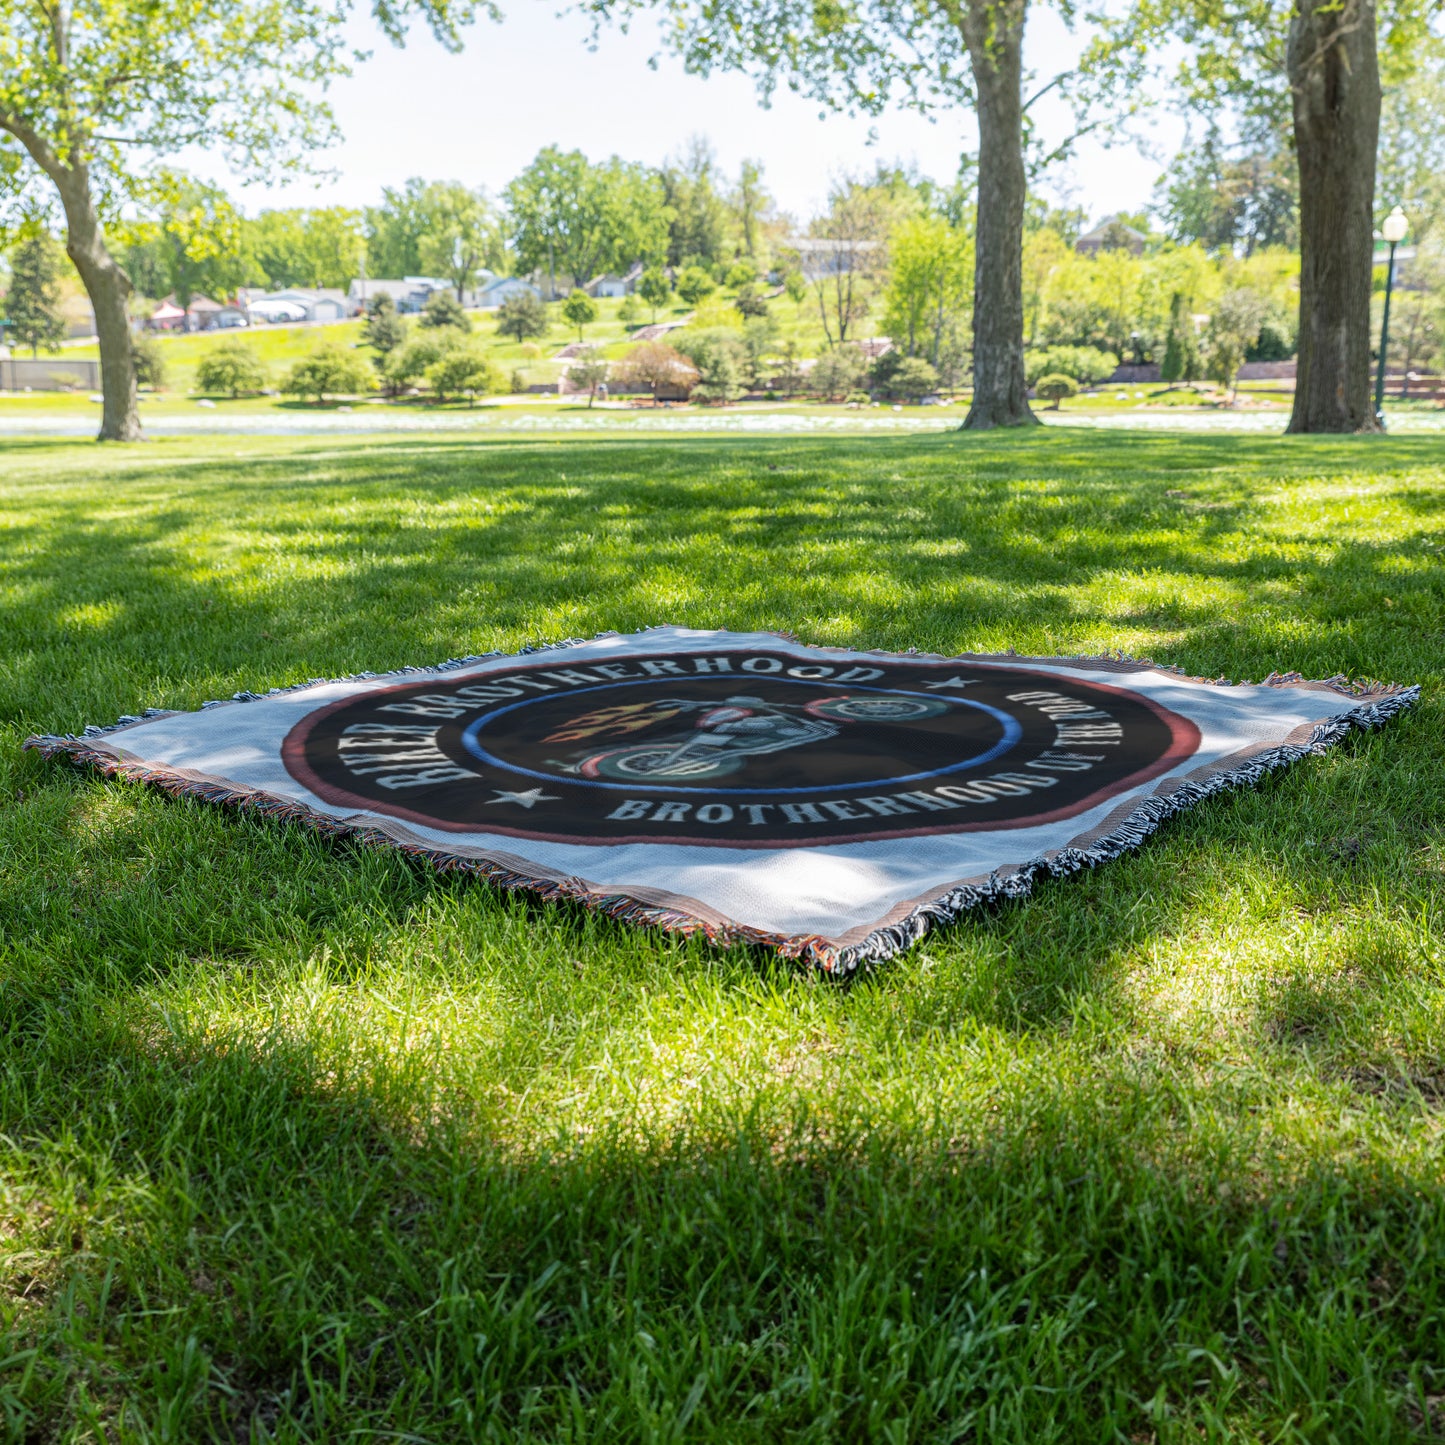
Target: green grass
<point x="303" y="1142"/>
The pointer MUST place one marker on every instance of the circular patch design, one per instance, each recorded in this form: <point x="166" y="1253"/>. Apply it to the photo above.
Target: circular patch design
<point x="735" y="747"/>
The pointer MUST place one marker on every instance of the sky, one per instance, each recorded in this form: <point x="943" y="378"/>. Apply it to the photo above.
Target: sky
<point x="531" y="80"/>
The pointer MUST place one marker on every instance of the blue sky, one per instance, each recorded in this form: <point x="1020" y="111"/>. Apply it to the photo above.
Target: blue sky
<point x="531" y="81"/>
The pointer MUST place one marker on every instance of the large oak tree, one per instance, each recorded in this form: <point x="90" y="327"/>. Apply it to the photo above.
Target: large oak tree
<point x="96" y="92"/>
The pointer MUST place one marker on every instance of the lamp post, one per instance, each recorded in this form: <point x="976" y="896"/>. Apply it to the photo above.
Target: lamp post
<point x="1396" y="224"/>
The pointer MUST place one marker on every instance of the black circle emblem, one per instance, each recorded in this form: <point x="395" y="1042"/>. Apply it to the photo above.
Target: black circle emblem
<point x="751" y="748"/>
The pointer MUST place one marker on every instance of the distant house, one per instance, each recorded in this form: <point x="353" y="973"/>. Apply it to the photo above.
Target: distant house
<point x="503" y="288"/>
<point x="317" y="303"/>
<point x="615" y="286"/>
<point x="826" y="256"/>
<point x="410" y="293"/>
<point x="1111" y="235"/>
<point x="201" y="315"/>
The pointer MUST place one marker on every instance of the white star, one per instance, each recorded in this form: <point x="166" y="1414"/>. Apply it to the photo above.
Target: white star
<point x="527" y="799"/>
<point x="952" y="682"/>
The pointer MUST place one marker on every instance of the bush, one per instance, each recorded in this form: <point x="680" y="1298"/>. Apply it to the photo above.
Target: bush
<point x="653" y="366"/>
<point x="750" y="303"/>
<point x="463" y="371"/>
<point x="630" y="312"/>
<point x="857" y="398"/>
<point x="914" y="378"/>
<point x="1274" y="342"/>
<point x="838" y="371"/>
<point x="328" y="372"/>
<point x="518" y="381"/>
<point x="742" y="273"/>
<point x="695" y="285"/>
<point x="383" y="330"/>
<point x="721" y="361"/>
<point x="1056" y="388"/>
<point x="150" y="362"/>
<point x="442" y="309"/>
<point x="232" y="368"/>
<point x="1086" y="364"/>
<point x="408" y="364"/>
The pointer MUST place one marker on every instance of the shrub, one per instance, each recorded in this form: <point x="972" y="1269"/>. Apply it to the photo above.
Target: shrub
<point x="150" y="362"/>
<point x="721" y="361"/>
<point x="233" y="368"/>
<point x="914" y="378"/>
<point x="630" y="312"/>
<point x="463" y="371"/>
<point x="653" y="365"/>
<point x="1055" y="388"/>
<point x="1086" y="364"/>
<point x="442" y="309"/>
<point x="838" y="371"/>
<point x="741" y="273"/>
<point x="1274" y="342"/>
<point x="384" y="330"/>
<point x="328" y="372"/>
<point x="518" y="381"/>
<point x="750" y="302"/>
<point x="408" y="364"/>
<point x="695" y="285"/>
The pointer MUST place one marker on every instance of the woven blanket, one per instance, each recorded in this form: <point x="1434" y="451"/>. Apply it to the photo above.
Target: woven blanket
<point x="831" y="804"/>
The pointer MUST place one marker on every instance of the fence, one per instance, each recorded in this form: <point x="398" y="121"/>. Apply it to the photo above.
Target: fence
<point x="48" y="373"/>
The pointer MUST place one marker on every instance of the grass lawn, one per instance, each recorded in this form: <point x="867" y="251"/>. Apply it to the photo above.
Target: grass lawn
<point x="303" y="1142"/>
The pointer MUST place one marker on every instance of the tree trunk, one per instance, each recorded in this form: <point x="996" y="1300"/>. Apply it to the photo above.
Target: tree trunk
<point x="994" y="34"/>
<point x="1335" y="86"/>
<point x="109" y="289"/>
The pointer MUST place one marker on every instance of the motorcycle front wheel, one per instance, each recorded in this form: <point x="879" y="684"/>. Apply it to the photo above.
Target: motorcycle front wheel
<point x="878" y="709"/>
<point x="652" y="764"/>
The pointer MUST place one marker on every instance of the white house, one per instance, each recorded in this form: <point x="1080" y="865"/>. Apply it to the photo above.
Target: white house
<point x="316" y="303"/>
<point x="503" y="288"/>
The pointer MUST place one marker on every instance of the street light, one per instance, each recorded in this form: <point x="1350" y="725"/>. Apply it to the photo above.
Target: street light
<point x="1396" y="224"/>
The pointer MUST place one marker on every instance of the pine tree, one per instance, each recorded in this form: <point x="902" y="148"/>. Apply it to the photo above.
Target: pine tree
<point x="32" y="306"/>
<point x="1181" y="349"/>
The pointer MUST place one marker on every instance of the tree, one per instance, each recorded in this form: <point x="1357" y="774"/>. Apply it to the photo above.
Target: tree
<point x="1056" y="388"/>
<point x="695" y="285"/>
<point x="1086" y="364"/>
<point x="760" y="336"/>
<point x="578" y="219"/>
<point x="442" y="309"/>
<point x="1181" y="348"/>
<point x="654" y="288"/>
<point x="914" y="378"/>
<point x="298" y="247"/>
<point x="856" y="57"/>
<point x="720" y="359"/>
<point x="521" y="316"/>
<point x="461" y="233"/>
<point x="587" y="371"/>
<point x="187" y="242"/>
<point x="698" y="218"/>
<point x="330" y="371"/>
<point x="463" y="371"/>
<point x="930" y="290"/>
<point x="407" y="364"/>
<point x="1327" y="52"/>
<point x="1232" y="329"/>
<point x="852" y="257"/>
<point x="232" y="368"/>
<point x="750" y="302"/>
<point x="751" y="206"/>
<point x="579" y="310"/>
<point x="383" y="330"/>
<point x="1241" y="204"/>
<point x="630" y="312"/>
<point x="1412" y="146"/>
<point x="32" y="304"/>
<point x="838" y="372"/>
<point x="655" y="366"/>
<point x="796" y="285"/>
<point x="94" y="92"/>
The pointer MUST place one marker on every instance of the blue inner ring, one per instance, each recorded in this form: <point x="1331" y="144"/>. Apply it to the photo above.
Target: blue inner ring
<point x="1012" y="732"/>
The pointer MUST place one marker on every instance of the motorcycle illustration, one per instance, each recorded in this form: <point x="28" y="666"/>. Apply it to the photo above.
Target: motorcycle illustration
<point x="722" y="738"/>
